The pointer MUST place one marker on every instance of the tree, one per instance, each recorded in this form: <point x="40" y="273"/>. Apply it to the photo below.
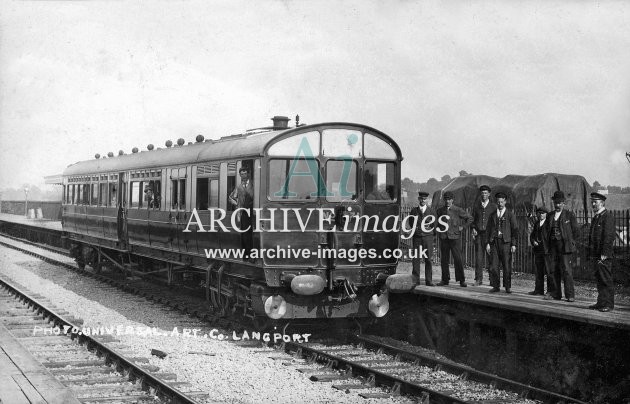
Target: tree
<point x="464" y="173"/>
<point x="446" y="178"/>
<point x="597" y="185"/>
<point x="432" y="182"/>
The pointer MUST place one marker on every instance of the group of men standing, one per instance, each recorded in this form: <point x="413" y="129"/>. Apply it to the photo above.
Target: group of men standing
<point x="495" y="233"/>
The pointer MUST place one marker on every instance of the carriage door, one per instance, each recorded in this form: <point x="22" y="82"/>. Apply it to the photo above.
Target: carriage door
<point x="341" y="150"/>
<point x="122" y="209"/>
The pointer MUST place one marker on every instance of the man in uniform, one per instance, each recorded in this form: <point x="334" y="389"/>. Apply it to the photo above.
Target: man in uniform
<point x="243" y="197"/>
<point x="423" y="240"/>
<point x="600" y="246"/>
<point x="502" y="235"/>
<point x="450" y="237"/>
<point x="563" y="230"/>
<point x="539" y="239"/>
<point x="481" y="213"/>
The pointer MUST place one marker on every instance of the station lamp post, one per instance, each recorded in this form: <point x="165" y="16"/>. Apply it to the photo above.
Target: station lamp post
<point x="26" y="201"/>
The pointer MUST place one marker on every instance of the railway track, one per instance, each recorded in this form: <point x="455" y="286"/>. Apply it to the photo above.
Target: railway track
<point x="374" y="362"/>
<point x="93" y="371"/>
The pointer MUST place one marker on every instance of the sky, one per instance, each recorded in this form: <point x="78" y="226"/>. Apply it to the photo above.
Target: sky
<point x="490" y="87"/>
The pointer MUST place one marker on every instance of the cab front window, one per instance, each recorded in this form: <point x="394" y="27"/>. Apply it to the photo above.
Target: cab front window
<point x="294" y="179"/>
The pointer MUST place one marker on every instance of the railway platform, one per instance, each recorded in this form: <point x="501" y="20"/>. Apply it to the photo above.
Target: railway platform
<point x="23" y="379"/>
<point x="519" y="301"/>
<point x="40" y="223"/>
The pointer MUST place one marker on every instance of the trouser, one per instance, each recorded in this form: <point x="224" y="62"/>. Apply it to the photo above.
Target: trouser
<point x="480" y="249"/>
<point x="447" y="247"/>
<point x="543" y="267"/>
<point x="247" y="238"/>
<point x="500" y="256"/>
<point x="562" y="270"/>
<point x="605" y="283"/>
<point x="420" y="243"/>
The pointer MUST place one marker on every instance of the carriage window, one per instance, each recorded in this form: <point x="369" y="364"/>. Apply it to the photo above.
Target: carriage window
<point x="341" y="143"/>
<point x="102" y="195"/>
<point x="202" y="193"/>
<point x="380" y="181"/>
<point x="378" y="148"/>
<point x="77" y="200"/>
<point x="135" y="197"/>
<point x="73" y="196"/>
<point x="153" y="194"/>
<point x="178" y="196"/>
<point x="86" y="194"/>
<point x="112" y="194"/>
<point x="294" y="179"/>
<point x="94" y="200"/>
<point x="214" y="194"/>
<point x="341" y="180"/>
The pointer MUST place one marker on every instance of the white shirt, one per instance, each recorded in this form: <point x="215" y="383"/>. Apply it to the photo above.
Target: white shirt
<point x="556" y="215"/>
<point x="423" y="208"/>
<point x="541" y="222"/>
<point x="500" y="213"/>
<point x="484" y="204"/>
<point x="600" y="211"/>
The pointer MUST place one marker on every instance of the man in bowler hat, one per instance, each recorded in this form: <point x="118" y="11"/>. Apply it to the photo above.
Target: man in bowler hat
<point x="450" y="239"/>
<point x="423" y="239"/>
<point x="563" y="231"/>
<point x="600" y="246"/>
<point x="502" y="235"/>
<point x="481" y="212"/>
<point x="539" y="238"/>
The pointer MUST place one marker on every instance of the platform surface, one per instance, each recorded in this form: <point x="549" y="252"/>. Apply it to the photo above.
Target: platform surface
<point x="520" y="301"/>
<point x="46" y="224"/>
<point x="23" y="379"/>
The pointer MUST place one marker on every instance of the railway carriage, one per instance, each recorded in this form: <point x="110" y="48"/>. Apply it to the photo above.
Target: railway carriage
<point x="341" y="170"/>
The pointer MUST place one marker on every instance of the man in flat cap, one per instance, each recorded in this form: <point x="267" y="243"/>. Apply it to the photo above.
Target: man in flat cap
<point x="481" y="213"/>
<point x="563" y="230"/>
<point x="450" y="238"/>
<point x="600" y="246"/>
<point x="502" y="235"/>
<point x="423" y="239"/>
<point x="539" y="238"/>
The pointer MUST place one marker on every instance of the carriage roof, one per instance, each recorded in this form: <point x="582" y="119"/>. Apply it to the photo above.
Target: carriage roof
<point x="239" y="146"/>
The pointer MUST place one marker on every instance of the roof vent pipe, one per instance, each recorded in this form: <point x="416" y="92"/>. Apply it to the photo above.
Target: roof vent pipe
<point x="280" y="122"/>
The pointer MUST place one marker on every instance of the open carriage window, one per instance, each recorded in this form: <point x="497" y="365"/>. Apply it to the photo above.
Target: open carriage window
<point x="380" y="182"/>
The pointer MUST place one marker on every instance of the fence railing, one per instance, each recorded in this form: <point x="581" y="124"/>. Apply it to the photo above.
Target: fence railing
<point x="50" y="209"/>
<point x="523" y="259"/>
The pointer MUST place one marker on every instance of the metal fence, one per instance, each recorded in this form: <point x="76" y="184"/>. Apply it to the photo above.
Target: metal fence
<point x="523" y="259"/>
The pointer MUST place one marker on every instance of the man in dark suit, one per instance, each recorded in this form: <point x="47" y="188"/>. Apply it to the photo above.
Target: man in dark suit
<point x="502" y="236"/>
<point x="600" y="245"/>
<point x="481" y="212"/>
<point x="243" y="197"/>
<point x="539" y="238"/>
<point x="423" y="239"/>
<point x="563" y="231"/>
<point x="450" y="236"/>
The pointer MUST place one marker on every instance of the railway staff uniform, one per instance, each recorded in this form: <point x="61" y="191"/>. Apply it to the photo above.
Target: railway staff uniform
<point x="481" y="212"/>
<point x="422" y="239"/>
<point x="243" y="197"/>
<point x="450" y="239"/>
<point x="600" y="246"/>
<point x="502" y="234"/>
<point x="539" y="238"/>
<point x="563" y="230"/>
